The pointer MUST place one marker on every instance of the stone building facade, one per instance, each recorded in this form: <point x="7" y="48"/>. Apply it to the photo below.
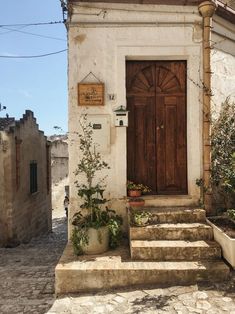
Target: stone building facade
<point x="25" y="181"/>
<point x="59" y="157"/>
<point x="129" y="45"/>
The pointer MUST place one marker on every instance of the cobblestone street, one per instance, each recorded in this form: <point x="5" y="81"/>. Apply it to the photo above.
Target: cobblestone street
<point x="27" y="272"/>
<point x="27" y="286"/>
<point x="207" y="298"/>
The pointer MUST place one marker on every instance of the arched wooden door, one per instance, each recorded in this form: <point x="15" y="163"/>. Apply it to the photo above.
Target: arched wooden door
<point x="156" y="135"/>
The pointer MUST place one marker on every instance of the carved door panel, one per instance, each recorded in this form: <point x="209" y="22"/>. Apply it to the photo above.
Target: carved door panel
<point x="156" y="136"/>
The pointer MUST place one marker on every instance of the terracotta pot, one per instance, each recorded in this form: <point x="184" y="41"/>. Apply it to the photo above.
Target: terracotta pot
<point x="98" y="242"/>
<point x="136" y="203"/>
<point x="134" y="193"/>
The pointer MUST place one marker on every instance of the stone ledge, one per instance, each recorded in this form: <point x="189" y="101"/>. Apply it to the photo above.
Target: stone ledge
<point x="175" y="250"/>
<point x="115" y="269"/>
<point x="180" y="231"/>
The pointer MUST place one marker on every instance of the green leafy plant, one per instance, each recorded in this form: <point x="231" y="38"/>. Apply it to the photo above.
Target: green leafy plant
<point x="82" y="223"/>
<point x="137" y="186"/>
<point x="223" y="153"/>
<point x="231" y="213"/>
<point x="92" y="195"/>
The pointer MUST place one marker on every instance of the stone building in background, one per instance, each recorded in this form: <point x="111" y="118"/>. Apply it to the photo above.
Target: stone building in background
<point x="59" y="157"/>
<point x="25" y="180"/>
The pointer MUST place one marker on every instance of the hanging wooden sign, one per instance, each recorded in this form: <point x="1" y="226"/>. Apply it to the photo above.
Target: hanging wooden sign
<point x="91" y="94"/>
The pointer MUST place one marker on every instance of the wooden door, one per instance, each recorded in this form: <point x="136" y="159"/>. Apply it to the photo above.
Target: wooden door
<point x="156" y="136"/>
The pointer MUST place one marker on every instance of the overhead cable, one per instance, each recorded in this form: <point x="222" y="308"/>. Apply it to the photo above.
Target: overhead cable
<point x="32" y="24"/>
<point x="33" y="34"/>
<point x="36" y="56"/>
<point x="11" y="31"/>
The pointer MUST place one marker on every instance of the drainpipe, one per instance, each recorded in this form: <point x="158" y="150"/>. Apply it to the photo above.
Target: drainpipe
<point x="207" y="9"/>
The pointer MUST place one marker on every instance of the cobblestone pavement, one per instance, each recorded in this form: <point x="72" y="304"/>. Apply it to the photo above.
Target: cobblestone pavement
<point x="209" y="298"/>
<point x="27" y="286"/>
<point x="27" y="272"/>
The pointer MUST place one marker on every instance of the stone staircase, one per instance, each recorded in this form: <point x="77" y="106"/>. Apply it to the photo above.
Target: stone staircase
<point x="179" y="237"/>
<point x="176" y="249"/>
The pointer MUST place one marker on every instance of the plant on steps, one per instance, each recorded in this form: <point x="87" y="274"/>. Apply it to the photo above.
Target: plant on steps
<point x="140" y="218"/>
<point x="231" y="214"/>
<point x="95" y="228"/>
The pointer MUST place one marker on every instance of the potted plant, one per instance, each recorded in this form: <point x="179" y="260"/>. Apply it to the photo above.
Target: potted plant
<point x="136" y="202"/>
<point x="136" y="189"/>
<point x="140" y="218"/>
<point x="224" y="233"/>
<point x="96" y="227"/>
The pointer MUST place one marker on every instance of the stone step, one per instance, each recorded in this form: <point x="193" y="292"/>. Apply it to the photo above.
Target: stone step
<point x="180" y="231"/>
<point x="176" y="215"/>
<point x="174" y="250"/>
<point x="115" y="270"/>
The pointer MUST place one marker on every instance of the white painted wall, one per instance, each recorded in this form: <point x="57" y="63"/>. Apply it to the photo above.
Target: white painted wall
<point x="223" y="62"/>
<point x="102" y="44"/>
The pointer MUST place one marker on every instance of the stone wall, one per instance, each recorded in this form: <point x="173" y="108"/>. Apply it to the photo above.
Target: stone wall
<point x="27" y="214"/>
<point x="5" y="189"/>
<point x="59" y="158"/>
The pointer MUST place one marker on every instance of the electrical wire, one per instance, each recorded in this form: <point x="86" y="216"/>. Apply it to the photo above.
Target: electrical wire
<point x="32" y="24"/>
<point x="33" y="34"/>
<point x="3" y="33"/>
<point x="36" y="56"/>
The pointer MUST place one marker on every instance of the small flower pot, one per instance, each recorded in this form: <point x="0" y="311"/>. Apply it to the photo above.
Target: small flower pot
<point x="134" y="193"/>
<point x="141" y="221"/>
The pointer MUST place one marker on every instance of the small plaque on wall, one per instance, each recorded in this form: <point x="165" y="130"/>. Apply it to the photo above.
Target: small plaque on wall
<point x="91" y="94"/>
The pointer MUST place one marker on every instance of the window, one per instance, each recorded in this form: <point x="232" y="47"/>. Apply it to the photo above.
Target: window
<point x="33" y="177"/>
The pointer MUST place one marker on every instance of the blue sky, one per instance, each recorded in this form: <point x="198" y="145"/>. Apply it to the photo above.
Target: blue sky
<point x="38" y="84"/>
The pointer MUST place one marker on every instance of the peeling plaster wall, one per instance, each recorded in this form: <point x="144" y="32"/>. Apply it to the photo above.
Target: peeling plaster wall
<point x="102" y="44"/>
<point x="223" y="78"/>
<point x="223" y="62"/>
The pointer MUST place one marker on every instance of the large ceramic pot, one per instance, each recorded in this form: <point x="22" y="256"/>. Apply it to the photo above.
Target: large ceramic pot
<point x="98" y="241"/>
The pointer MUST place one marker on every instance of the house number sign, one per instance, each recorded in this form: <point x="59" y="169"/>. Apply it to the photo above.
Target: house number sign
<point x="91" y="94"/>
